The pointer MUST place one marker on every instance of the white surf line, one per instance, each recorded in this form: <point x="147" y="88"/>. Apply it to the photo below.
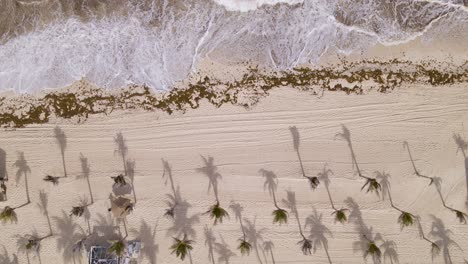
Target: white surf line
<point x="200" y="42"/>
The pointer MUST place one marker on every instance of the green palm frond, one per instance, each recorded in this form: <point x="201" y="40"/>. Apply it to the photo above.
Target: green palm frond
<point x="52" y="179"/>
<point x="181" y="247"/>
<point x="217" y="213"/>
<point x="372" y="185"/>
<point x="460" y="215"/>
<point x="119" y="180"/>
<point x="77" y="211"/>
<point x="8" y="215"/>
<point x="118" y="248"/>
<point x="280" y="216"/>
<point x="373" y="250"/>
<point x="169" y="212"/>
<point x="244" y="247"/>
<point x="340" y="215"/>
<point x="405" y="219"/>
<point x="33" y="243"/>
<point x="314" y="182"/>
<point x="306" y="246"/>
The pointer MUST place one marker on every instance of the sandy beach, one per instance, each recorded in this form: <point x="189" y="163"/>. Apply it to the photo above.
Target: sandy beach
<point x="242" y="145"/>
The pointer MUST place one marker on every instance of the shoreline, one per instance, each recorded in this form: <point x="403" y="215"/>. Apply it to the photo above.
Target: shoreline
<point x="245" y="88"/>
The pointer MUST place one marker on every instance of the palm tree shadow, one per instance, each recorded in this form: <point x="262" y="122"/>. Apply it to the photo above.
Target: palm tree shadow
<point x="69" y="233"/>
<point x="23" y="241"/>
<point x="346" y="135"/>
<point x="183" y="223"/>
<point x="43" y="206"/>
<point x="122" y="149"/>
<point x="3" y="176"/>
<point x="462" y="146"/>
<point x="85" y="169"/>
<point x="131" y="175"/>
<point x="104" y="230"/>
<point x="223" y="251"/>
<point x="211" y="171"/>
<point x="416" y="171"/>
<point x="23" y="170"/>
<point x="147" y="235"/>
<point x="5" y="257"/>
<point x="389" y="251"/>
<point x="61" y="139"/>
<point x="268" y="246"/>
<point x="318" y="233"/>
<point x="291" y="203"/>
<point x="365" y="233"/>
<point x="210" y="240"/>
<point x="296" y="142"/>
<point x="3" y="170"/>
<point x="271" y="183"/>
<point x="254" y="236"/>
<point x="442" y="234"/>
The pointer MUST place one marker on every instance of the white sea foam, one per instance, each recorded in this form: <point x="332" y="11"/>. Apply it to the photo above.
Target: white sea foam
<point x="249" y="5"/>
<point x="163" y="42"/>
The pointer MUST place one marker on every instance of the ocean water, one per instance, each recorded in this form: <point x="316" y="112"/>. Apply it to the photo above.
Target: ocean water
<point x="113" y="43"/>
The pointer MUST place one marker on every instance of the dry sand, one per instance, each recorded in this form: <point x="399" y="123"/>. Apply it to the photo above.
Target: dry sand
<point x="241" y="143"/>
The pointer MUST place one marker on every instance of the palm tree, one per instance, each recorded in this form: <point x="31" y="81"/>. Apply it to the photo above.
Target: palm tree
<point x="372" y="249"/>
<point x="216" y="212"/>
<point x="435" y="249"/>
<point x="77" y="211"/>
<point x="416" y="172"/>
<point x="371" y="183"/>
<point x="119" y="180"/>
<point x="8" y="215"/>
<point x="459" y="214"/>
<point x="181" y="247"/>
<point x="244" y="246"/>
<point x="290" y="202"/>
<point x="118" y="248"/>
<point x="405" y="219"/>
<point x="340" y="214"/>
<point x="280" y="215"/>
<point x="23" y="170"/>
<point x="313" y="181"/>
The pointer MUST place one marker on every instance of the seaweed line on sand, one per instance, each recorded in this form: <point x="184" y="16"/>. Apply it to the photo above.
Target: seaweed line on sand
<point x="350" y="77"/>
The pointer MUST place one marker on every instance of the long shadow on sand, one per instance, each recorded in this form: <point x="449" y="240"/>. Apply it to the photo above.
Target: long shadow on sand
<point x="61" y="139"/>
<point x="183" y="223"/>
<point x="22" y="171"/>
<point x="462" y="146"/>
<point x="3" y="176"/>
<point x="443" y="240"/>
<point x="5" y="257"/>
<point x="313" y="181"/>
<point x="255" y="236"/>
<point x="121" y="149"/>
<point x="68" y="234"/>
<point x="367" y="236"/>
<point x="147" y="236"/>
<point x="318" y="233"/>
